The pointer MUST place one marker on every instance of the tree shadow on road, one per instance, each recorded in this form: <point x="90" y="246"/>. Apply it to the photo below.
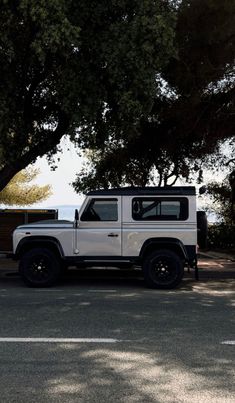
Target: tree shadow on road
<point x="169" y="347"/>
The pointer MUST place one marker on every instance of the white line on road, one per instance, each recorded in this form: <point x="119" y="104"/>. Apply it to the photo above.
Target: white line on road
<point x="55" y="290"/>
<point x="102" y="290"/>
<point x="55" y="340"/>
<point x="229" y="342"/>
<point x="47" y="290"/>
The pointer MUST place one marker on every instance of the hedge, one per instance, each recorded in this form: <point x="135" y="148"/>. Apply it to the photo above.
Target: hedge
<point x="221" y="236"/>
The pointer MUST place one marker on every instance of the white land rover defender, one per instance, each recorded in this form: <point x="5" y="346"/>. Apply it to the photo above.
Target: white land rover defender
<point x="155" y="228"/>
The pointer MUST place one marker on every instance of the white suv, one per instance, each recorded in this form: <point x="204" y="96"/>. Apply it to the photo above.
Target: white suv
<point x="155" y="228"/>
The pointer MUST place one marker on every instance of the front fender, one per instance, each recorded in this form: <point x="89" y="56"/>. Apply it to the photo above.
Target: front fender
<point x="31" y="242"/>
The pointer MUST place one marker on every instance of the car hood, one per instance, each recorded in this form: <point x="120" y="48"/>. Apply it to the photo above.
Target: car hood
<point x="47" y="224"/>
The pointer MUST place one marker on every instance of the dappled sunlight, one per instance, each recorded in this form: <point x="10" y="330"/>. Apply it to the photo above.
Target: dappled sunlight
<point x="223" y="289"/>
<point x="137" y="376"/>
<point x="167" y="343"/>
<point x="60" y="387"/>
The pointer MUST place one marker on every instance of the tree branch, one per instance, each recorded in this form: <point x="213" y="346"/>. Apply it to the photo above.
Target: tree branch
<point x="46" y="145"/>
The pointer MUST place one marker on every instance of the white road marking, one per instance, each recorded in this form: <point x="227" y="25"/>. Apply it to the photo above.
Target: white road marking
<point x="229" y="342"/>
<point x="48" y="290"/>
<point x="55" y="290"/>
<point x="55" y="340"/>
<point x="102" y="290"/>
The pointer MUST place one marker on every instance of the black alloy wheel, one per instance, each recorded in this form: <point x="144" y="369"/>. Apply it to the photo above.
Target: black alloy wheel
<point x="163" y="269"/>
<point x="39" y="267"/>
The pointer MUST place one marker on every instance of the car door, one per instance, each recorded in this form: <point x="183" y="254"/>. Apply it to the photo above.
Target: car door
<point x="99" y="230"/>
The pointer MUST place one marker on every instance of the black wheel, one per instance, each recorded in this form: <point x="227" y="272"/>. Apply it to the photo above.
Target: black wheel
<point x="39" y="267"/>
<point x="163" y="269"/>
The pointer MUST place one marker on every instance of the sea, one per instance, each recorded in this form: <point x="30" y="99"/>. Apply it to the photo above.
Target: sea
<point x="66" y="212"/>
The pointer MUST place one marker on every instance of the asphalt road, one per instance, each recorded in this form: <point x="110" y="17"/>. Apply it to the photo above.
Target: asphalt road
<point x="101" y="336"/>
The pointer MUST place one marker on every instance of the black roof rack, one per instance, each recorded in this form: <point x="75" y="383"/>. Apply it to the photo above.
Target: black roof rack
<point x="149" y="190"/>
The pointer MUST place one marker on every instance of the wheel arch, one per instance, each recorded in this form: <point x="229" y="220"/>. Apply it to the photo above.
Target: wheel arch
<point x="48" y="242"/>
<point x="172" y="244"/>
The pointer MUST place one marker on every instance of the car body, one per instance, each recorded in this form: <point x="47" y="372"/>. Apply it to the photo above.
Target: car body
<point x="117" y="227"/>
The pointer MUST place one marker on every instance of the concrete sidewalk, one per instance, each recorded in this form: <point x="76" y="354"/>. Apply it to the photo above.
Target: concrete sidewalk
<point x="210" y="268"/>
<point x="217" y="255"/>
<point x="216" y="265"/>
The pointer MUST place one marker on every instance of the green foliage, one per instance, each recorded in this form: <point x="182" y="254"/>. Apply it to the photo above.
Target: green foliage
<point x="84" y="68"/>
<point x="21" y="192"/>
<point x="147" y="86"/>
<point x="221" y="236"/>
<point x="220" y="200"/>
<point x="190" y="114"/>
<point x="37" y="41"/>
<point x="222" y="197"/>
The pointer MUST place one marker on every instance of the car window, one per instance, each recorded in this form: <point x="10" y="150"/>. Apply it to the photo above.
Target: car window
<point x="157" y="208"/>
<point x="101" y="210"/>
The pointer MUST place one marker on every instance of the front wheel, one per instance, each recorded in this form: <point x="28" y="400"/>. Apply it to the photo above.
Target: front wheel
<point x="39" y="267"/>
<point x="163" y="269"/>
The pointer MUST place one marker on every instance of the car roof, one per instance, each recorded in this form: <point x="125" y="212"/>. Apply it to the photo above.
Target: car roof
<point x="149" y="190"/>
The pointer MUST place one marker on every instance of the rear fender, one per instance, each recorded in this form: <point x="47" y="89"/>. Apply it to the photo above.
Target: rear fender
<point x="172" y="244"/>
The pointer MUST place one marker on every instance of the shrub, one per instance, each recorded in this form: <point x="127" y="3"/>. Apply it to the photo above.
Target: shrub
<point x="221" y="236"/>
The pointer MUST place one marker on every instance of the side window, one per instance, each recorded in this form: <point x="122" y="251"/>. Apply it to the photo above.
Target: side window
<point x="159" y="208"/>
<point x="101" y="210"/>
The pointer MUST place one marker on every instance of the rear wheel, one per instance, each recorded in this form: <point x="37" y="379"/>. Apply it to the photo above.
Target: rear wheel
<point x="163" y="269"/>
<point x="39" y="267"/>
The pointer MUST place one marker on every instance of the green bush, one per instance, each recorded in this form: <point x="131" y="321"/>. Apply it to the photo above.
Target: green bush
<point x="221" y="236"/>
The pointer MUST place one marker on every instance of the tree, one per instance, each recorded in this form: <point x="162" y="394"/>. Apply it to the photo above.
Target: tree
<point x="78" y="68"/>
<point x="36" y="41"/>
<point x="221" y="202"/>
<point x="20" y="192"/>
<point x="232" y="198"/>
<point x="192" y="112"/>
<point x="220" y="199"/>
<point x="221" y="192"/>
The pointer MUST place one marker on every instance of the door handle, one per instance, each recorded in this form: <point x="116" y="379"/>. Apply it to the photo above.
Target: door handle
<point x="112" y="235"/>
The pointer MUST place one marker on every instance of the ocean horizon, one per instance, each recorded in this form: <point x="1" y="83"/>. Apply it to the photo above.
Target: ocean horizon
<point x="65" y="212"/>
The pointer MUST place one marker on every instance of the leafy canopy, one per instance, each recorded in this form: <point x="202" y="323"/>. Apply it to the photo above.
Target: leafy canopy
<point x="191" y="111"/>
<point x="146" y="86"/>
<point x="84" y="68"/>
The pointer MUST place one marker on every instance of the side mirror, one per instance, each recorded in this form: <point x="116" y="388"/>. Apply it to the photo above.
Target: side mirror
<point x="76" y="218"/>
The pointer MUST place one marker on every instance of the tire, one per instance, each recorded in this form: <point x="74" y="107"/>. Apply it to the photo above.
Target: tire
<point x="39" y="267"/>
<point x="163" y="269"/>
<point x="202" y="228"/>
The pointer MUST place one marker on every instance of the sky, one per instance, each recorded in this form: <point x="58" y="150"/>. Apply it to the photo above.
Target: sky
<point x="60" y="179"/>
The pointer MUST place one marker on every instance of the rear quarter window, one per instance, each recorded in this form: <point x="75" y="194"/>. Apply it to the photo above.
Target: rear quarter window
<point x="160" y="209"/>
